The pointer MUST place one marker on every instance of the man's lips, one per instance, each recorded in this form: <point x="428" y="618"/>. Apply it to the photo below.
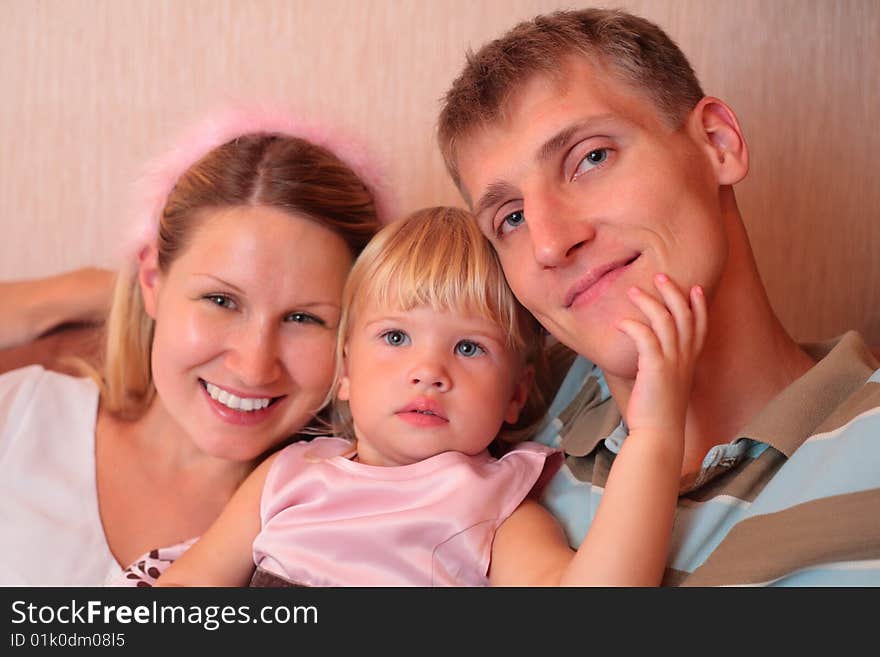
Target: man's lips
<point x="594" y="276"/>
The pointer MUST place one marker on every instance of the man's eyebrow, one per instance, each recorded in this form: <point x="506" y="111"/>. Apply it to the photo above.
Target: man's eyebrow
<point x="499" y="190"/>
<point x="494" y="194"/>
<point x="560" y="139"/>
<point x="555" y="143"/>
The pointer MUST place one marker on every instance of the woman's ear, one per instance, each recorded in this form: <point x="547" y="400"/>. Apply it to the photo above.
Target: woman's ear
<point x="149" y="278"/>
<point x="715" y="127"/>
<point x="520" y="394"/>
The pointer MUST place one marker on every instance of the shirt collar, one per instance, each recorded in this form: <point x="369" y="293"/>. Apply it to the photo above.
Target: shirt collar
<point x="844" y="364"/>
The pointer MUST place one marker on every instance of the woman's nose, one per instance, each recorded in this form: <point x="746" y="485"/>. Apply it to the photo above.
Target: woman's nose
<point x="252" y="355"/>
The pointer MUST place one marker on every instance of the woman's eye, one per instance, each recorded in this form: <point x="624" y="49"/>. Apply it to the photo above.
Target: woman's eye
<point x="469" y="349"/>
<point x="221" y="300"/>
<point x="595" y="158"/>
<point x="395" y="338"/>
<point x="304" y="318"/>
<point x="511" y="221"/>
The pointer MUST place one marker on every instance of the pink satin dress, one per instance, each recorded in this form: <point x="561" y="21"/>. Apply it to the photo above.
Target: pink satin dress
<point x="330" y="521"/>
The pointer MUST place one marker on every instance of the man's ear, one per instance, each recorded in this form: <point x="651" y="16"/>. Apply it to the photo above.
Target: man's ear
<point x="149" y="278"/>
<point x="520" y="394"/>
<point x="343" y="391"/>
<point x="716" y="128"/>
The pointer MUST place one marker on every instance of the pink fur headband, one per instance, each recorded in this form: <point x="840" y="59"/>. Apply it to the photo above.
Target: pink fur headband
<point x="162" y="174"/>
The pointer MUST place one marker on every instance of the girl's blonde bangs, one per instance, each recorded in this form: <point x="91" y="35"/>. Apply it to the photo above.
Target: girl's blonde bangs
<point x="436" y="258"/>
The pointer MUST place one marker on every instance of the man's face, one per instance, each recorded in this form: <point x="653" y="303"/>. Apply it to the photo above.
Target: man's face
<point x="585" y="191"/>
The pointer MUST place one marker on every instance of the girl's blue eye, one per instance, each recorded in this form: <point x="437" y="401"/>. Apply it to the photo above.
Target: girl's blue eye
<point x="304" y="318"/>
<point x="395" y="338"/>
<point x="469" y="349"/>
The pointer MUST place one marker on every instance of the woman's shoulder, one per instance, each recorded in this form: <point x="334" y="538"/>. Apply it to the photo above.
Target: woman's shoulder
<point x="37" y="375"/>
<point x="37" y="380"/>
<point x="29" y="375"/>
<point x="52" y="395"/>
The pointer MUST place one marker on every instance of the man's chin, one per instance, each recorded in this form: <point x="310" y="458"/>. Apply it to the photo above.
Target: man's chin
<point x="616" y="356"/>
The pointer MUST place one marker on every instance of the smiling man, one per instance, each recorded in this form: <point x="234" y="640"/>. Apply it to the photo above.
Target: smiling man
<point x="593" y="161"/>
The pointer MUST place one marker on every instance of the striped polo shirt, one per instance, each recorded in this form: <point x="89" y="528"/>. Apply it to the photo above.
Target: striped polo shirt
<point x="794" y="500"/>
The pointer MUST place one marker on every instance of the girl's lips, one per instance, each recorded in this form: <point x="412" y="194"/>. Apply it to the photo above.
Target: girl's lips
<point x="425" y="405"/>
<point x="420" y="419"/>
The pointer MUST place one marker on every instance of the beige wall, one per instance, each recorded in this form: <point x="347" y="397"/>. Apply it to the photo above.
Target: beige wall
<point x="90" y="86"/>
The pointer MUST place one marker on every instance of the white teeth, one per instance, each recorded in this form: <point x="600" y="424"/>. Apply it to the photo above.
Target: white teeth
<point x="234" y="402"/>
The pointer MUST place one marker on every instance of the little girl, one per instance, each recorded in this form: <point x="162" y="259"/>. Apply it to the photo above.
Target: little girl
<point x="436" y="361"/>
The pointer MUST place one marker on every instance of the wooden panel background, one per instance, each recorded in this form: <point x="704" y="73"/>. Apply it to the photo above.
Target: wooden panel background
<point x="90" y="87"/>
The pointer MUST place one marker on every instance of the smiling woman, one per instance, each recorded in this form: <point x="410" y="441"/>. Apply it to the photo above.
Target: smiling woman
<point x="226" y="321"/>
<point x="219" y="349"/>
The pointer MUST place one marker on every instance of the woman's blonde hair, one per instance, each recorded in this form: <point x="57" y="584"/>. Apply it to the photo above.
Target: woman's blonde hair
<point x="437" y="257"/>
<point x="278" y="171"/>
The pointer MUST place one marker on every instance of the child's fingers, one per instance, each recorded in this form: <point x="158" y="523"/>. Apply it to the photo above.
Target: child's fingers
<point x="701" y="317"/>
<point x="645" y="338"/>
<point x="679" y="307"/>
<point x="659" y="318"/>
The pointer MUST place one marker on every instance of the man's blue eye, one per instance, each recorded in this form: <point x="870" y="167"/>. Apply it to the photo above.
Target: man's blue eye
<point x="593" y="159"/>
<point x="395" y="338"/>
<point x="469" y="349"/>
<point x="514" y="219"/>
<point x="511" y="221"/>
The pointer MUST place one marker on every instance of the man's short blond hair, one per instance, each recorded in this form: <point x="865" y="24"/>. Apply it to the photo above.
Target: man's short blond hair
<point x="631" y="48"/>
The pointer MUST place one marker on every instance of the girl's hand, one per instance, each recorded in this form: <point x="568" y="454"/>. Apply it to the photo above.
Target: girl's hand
<point x="668" y="346"/>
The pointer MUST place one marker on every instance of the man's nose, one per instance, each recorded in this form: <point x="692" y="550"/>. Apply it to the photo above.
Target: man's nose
<point x="252" y="354"/>
<point x="556" y="229"/>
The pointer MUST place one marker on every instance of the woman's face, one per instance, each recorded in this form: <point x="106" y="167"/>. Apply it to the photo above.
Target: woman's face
<point x="246" y="318"/>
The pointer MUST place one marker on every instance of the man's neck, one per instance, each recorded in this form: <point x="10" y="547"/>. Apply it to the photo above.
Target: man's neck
<point x="744" y="365"/>
<point x="747" y="360"/>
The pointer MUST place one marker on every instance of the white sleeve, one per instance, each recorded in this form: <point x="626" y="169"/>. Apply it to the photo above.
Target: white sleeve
<point x="17" y="391"/>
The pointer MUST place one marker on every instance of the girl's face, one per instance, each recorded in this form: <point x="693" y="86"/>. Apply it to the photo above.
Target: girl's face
<point x="246" y="320"/>
<point x="421" y="382"/>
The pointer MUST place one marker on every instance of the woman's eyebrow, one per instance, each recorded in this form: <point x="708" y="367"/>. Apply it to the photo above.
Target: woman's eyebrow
<point x="222" y="281"/>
